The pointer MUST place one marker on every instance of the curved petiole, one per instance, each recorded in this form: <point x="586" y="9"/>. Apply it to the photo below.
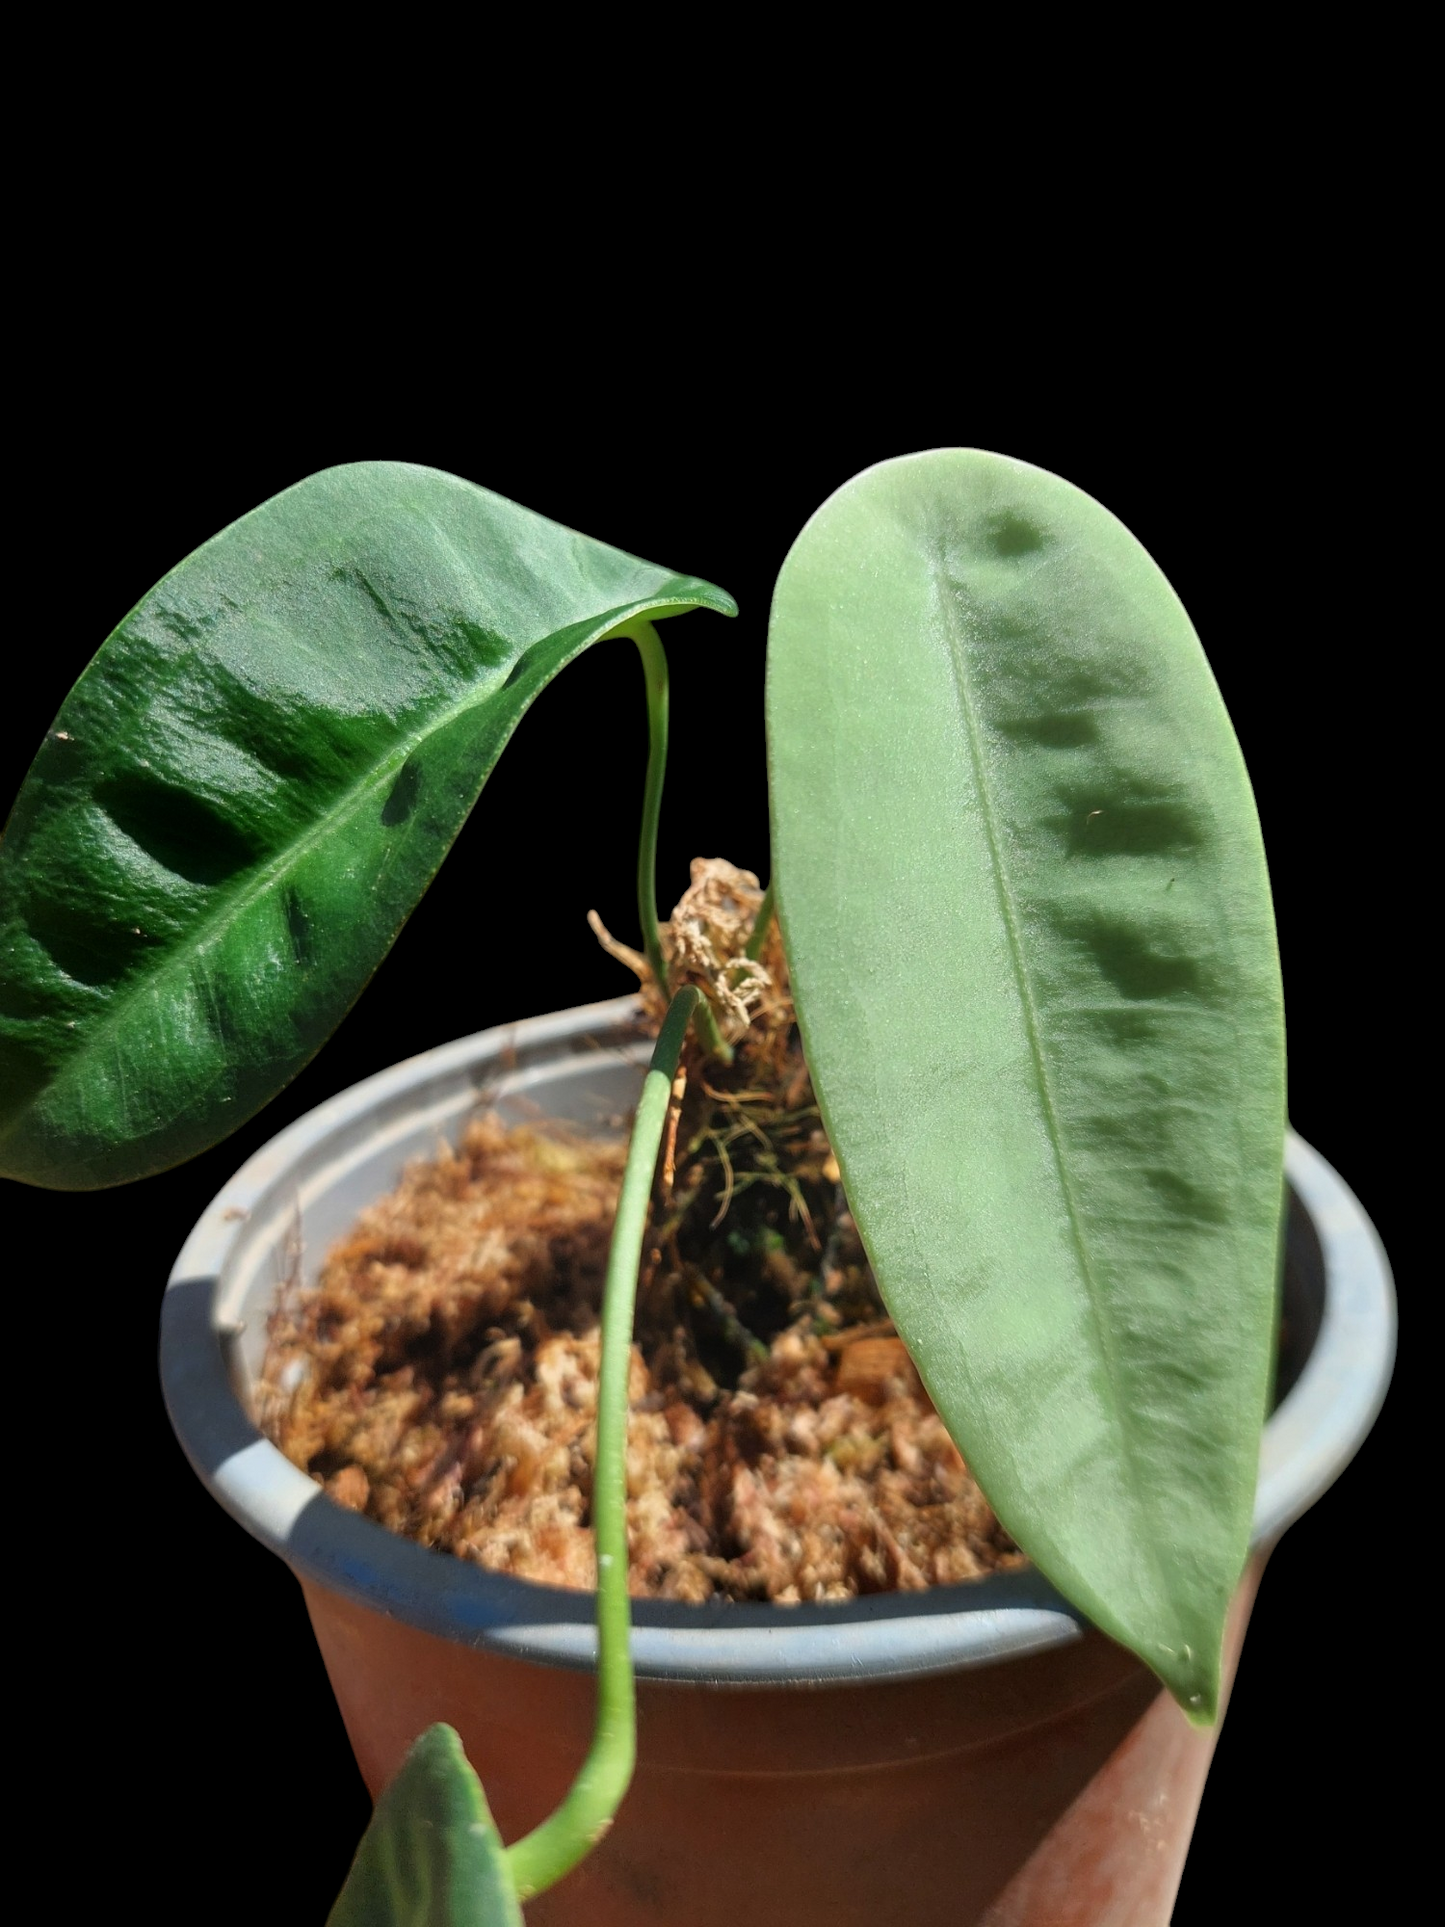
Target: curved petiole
<point x="541" y="1859"/>
<point x="759" y="933"/>
<point x="654" y="670"/>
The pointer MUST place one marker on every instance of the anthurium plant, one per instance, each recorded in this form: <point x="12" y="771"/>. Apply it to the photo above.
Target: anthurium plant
<point x="1023" y="899"/>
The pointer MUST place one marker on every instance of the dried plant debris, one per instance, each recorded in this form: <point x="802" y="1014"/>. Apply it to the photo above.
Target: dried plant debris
<point x="704" y="942"/>
<point x="441" y="1374"/>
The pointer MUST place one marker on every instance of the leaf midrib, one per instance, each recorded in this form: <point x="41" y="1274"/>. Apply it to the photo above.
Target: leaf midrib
<point x="233" y="906"/>
<point x="964" y="694"/>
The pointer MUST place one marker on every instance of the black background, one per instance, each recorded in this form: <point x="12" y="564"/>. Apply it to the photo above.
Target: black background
<point x="177" y="1667"/>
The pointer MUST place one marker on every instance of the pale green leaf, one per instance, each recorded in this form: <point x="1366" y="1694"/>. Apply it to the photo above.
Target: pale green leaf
<point x="1024" y="899"/>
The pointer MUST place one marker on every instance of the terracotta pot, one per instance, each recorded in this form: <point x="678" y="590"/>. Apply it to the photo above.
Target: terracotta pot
<point x="974" y="1754"/>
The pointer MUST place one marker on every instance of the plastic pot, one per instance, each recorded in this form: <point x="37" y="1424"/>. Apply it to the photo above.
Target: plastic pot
<point x="973" y="1754"/>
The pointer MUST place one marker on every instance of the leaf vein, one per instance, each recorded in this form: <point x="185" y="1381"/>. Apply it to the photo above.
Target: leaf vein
<point x="967" y="705"/>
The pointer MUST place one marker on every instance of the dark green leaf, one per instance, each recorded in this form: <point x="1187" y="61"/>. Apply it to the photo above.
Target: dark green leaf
<point x="432" y="1856"/>
<point x="1025" y="904"/>
<point x="246" y="793"/>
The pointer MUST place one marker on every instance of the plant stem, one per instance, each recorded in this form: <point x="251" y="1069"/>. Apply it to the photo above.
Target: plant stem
<point x="654" y="667"/>
<point x="540" y="1859"/>
<point x="654" y="670"/>
<point x="714" y="1043"/>
<point x="759" y="934"/>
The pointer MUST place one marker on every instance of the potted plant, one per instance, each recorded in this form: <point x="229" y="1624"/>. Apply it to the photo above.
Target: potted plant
<point x="1013" y="525"/>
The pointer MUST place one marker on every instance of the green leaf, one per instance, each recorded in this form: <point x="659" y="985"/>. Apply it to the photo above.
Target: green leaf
<point x="250" y="787"/>
<point x="1024" y="901"/>
<point x="432" y="1856"/>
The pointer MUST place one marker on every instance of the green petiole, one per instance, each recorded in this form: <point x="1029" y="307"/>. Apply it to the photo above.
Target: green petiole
<point x="759" y="933"/>
<point x="654" y="670"/>
<point x="541" y="1859"/>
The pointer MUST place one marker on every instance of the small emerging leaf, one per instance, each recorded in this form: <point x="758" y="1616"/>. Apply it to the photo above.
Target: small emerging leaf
<point x="432" y="1856"/>
<point x="245" y="795"/>
<point x="1024" y="900"/>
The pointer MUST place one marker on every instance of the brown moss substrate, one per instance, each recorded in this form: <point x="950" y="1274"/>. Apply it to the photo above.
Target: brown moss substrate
<point x="441" y="1374"/>
<point x="441" y="1377"/>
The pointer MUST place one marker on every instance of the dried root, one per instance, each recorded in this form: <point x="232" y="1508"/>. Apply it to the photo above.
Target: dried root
<point x="703" y="943"/>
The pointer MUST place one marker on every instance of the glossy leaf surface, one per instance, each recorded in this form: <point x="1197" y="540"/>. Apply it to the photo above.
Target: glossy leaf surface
<point x="432" y="1856"/>
<point x="1024" y="900"/>
<point x="250" y="787"/>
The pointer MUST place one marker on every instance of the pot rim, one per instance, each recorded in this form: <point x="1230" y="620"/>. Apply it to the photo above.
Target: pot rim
<point x="1308" y="1440"/>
